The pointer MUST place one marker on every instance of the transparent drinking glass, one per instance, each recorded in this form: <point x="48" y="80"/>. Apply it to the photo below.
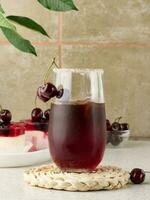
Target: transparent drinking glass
<point x="77" y="126"/>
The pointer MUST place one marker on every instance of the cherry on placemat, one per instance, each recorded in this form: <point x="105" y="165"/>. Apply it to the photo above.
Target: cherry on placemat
<point x="137" y="176"/>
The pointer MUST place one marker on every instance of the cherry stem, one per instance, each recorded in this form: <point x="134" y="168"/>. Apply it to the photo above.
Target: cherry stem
<point x="118" y="119"/>
<point x="1" y="108"/>
<point x="147" y="172"/>
<point x="47" y="73"/>
<point x="55" y="63"/>
<point x="35" y="100"/>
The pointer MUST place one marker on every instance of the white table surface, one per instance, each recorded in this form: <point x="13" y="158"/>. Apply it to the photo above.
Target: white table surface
<point x="135" y="154"/>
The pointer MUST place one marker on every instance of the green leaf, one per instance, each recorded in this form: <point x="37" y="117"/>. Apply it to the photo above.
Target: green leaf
<point x="28" y="23"/>
<point x="58" y="5"/>
<point x="1" y="9"/>
<point x="18" y="41"/>
<point x="4" y="22"/>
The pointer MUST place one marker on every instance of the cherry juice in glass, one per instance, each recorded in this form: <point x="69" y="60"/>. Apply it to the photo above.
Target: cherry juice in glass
<point x="77" y="134"/>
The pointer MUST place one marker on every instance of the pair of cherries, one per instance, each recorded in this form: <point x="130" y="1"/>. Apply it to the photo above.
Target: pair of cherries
<point x="116" y="125"/>
<point x="37" y="115"/>
<point x="48" y="90"/>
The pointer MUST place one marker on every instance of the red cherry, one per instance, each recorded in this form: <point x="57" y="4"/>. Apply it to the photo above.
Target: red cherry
<point x="108" y="125"/>
<point x="116" y="126"/>
<point x="36" y="115"/>
<point x="137" y="176"/>
<point x="41" y="96"/>
<point x="124" y="126"/>
<point x="60" y="93"/>
<point x="47" y="91"/>
<point x="5" y="116"/>
<point x="47" y="113"/>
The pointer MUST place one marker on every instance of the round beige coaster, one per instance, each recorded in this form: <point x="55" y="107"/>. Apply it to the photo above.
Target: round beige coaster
<point x="51" y="177"/>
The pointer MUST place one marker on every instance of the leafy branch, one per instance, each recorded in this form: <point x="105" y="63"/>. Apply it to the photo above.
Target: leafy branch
<point x="9" y="29"/>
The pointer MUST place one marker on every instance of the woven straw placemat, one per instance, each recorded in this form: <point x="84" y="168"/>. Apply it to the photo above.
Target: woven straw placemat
<point x="51" y="177"/>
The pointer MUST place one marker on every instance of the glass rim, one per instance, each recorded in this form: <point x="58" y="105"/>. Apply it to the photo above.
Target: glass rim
<point x="80" y="70"/>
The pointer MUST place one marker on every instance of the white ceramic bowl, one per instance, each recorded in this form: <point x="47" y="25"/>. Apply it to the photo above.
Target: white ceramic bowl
<point x="117" y="138"/>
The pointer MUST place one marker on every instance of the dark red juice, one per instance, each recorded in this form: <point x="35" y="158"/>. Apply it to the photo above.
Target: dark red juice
<point x="77" y="135"/>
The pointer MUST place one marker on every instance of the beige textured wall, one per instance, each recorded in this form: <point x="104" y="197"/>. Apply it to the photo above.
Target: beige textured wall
<point x="113" y="35"/>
